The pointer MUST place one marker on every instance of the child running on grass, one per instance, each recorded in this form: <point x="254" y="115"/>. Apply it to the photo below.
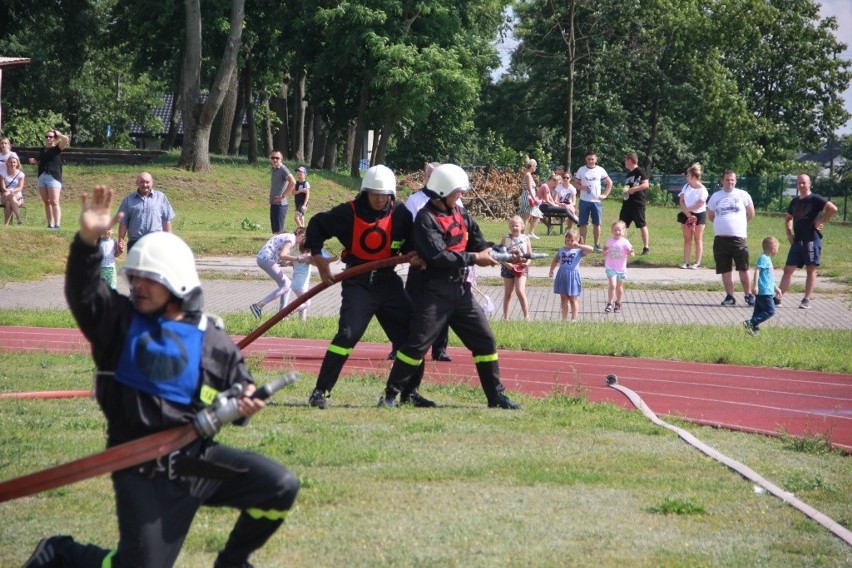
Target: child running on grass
<point x="567" y="283"/>
<point x="302" y="275"/>
<point x="616" y="252"/>
<point x="763" y="287"/>
<point x="515" y="275"/>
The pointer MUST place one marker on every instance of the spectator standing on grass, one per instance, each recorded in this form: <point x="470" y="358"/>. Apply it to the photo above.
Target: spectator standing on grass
<point x="588" y="182"/>
<point x="763" y="287"/>
<point x="693" y="215"/>
<point x="301" y="196"/>
<point x="448" y="241"/>
<point x="515" y="274"/>
<point x="373" y="226"/>
<point x="730" y="209"/>
<point x="160" y="360"/>
<point x="144" y="211"/>
<point x="635" y="198"/>
<point x="50" y="175"/>
<point x="616" y="252"/>
<point x="567" y="283"/>
<point x="12" y="183"/>
<point x="414" y="281"/>
<point x="274" y="254"/>
<point x="528" y="209"/>
<point x="806" y="216"/>
<point x="281" y="187"/>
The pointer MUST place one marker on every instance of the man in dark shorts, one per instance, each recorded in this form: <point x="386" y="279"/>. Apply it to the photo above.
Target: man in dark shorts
<point x="730" y="209"/>
<point x="635" y="197"/>
<point x="804" y="221"/>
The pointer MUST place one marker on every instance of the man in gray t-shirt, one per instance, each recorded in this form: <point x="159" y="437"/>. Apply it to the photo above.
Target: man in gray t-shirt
<point x="281" y="186"/>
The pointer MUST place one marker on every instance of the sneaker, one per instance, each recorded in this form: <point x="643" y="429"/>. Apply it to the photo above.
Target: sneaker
<point x="502" y="401"/>
<point x="684" y="266"/>
<point x="534" y="237"/>
<point x="388" y="400"/>
<point x="749" y="299"/>
<point x="46" y="552"/>
<point x="749" y="327"/>
<point x="696" y="266"/>
<point x="318" y="399"/>
<point x="617" y="308"/>
<point x="608" y="309"/>
<point x="645" y="251"/>
<point x="416" y="400"/>
<point x="598" y="248"/>
<point x="256" y="310"/>
<point x="729" y="301"/>
<point x="805" y="305"/>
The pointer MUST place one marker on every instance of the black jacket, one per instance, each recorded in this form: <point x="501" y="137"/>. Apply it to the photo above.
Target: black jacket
<point x="104" y="317"/>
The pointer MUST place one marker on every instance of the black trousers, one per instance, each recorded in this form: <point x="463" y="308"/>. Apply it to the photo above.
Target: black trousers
<point x="438" y="304"/>
<point x="363" y="297"/>
<point x="155" y="513"/>
<point x="413" y="284"/>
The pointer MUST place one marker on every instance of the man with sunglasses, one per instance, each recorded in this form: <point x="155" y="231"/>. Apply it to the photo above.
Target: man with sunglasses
<point x="282" y="185"/>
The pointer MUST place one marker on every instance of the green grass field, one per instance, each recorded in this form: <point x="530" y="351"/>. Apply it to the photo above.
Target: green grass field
<point x="562" y="483"/>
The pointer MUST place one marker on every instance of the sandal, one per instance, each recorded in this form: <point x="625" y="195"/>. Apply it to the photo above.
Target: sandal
<point x="617" y="308"/>
<point x="608" y="309"/>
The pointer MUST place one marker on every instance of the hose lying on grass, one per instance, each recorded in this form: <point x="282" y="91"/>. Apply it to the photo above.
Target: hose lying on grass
<point x="826" y="521"/>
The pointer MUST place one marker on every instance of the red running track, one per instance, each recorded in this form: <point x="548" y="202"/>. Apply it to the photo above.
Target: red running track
<point x="752" y="399"/>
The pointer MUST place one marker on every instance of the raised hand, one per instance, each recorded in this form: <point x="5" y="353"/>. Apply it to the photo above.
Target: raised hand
<point x="96" y="217"/>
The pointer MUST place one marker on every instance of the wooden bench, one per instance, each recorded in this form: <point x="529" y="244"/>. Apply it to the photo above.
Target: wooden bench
<point x="556" y="219"/>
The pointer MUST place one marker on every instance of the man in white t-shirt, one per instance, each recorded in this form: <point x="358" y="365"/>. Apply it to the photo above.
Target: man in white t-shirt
<point x="730" y="209"/>
<point x="588" y="181"/>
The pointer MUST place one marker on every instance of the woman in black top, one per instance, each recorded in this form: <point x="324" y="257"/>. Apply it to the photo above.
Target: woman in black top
<point x="50" y="175"/>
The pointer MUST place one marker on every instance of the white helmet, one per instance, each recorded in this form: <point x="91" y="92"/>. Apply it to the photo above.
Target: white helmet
<point x="379" y="179"/>
<point x="164" y="258"/>
<point x="447" y="179"/>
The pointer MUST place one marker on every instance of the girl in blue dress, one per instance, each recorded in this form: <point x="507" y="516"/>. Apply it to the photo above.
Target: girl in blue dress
<point x="567" y="283"/>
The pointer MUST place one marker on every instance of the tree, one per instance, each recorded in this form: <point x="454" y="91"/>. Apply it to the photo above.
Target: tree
<point x="198" y="116"/>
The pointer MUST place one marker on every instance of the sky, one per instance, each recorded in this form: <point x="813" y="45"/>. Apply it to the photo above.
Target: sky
<point x="840" y="9"/>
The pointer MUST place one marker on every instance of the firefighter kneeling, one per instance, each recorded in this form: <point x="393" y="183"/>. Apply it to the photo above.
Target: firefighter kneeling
<point x="448" y="242"/>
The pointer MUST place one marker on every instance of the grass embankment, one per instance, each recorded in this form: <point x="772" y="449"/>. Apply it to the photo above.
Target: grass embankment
<point x="561" y="483"/>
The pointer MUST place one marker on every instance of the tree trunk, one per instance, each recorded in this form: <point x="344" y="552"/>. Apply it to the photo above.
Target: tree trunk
<point x="297" y="131"/>
<point x="309" y="135"/>
<point x="571" y="40"/>
<point x="320" y="138"/>
<point x="197" y="117"/>
<point x="357" y="132"/>
<point x="220" y="134"/>
<point x="654" y="123"/>
<point x="267" y="127"/>
<point x="248" y="103"/>
<point x="237" y="125"/>
<point x="174" y="121"/>
<point x="329" y="160"/>
<point x="279" y="106"/>
<point x="381" y="147"/>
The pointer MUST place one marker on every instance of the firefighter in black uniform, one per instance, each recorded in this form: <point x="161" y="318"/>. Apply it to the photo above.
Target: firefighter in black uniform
<point x="448" y="241"/>
<point x="159" y="362"/>
<point x="373" y="226"/>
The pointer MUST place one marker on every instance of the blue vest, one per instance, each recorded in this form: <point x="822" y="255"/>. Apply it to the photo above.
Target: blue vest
<point x="162" y="357"/>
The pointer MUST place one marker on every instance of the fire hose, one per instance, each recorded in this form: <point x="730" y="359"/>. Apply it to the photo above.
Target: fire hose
<point x="827" y="522"/>
<point x="206" y="423"/>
